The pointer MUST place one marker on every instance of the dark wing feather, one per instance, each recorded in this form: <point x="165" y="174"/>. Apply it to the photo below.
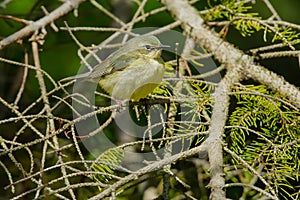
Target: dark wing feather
<point x="111" y="65"/>
<point x="100" y="70"/>
<point x="115" y="62"/>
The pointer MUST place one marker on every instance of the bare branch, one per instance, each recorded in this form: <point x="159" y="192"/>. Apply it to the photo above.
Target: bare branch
<point x="226" y="53"/>
<point x="68" y="6"/>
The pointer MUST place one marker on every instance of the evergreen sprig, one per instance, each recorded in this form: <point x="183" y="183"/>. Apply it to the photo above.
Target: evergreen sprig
<point x="247" y="23"/>
<point x="264" y="132"/>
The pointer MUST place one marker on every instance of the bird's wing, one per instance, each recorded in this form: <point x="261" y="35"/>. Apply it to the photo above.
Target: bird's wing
<point x="98" y="71"/>
<point x="111" y="65"/>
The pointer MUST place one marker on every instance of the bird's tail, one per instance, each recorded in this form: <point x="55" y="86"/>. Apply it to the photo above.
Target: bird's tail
<point x="76" y="77"/>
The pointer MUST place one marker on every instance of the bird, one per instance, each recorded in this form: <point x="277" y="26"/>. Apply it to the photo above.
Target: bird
<point x="131" y="72"/>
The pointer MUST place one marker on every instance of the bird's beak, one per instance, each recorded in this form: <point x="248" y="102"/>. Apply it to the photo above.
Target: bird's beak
<point x="164" y="46"/>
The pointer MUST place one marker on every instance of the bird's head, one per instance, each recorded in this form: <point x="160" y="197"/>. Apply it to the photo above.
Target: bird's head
<point x="147" y="46"/>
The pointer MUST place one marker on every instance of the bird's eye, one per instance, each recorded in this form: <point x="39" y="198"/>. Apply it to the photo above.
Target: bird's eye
<point x="148" y="47"/>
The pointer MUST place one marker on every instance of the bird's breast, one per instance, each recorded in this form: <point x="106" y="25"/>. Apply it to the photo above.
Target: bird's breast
<point x="135" y="81"/>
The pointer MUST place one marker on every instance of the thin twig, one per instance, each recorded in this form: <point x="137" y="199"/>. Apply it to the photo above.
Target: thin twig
<point x="37" y="25"/>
